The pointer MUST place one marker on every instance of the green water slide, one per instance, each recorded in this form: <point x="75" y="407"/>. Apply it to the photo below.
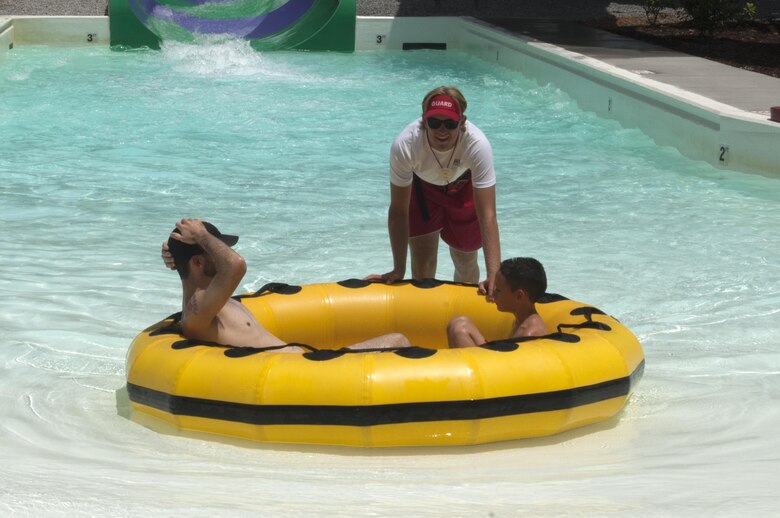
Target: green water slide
<point x="267" y="24"/>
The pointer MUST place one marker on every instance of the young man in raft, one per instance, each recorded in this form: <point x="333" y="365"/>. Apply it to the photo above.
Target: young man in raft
<point x="519" y="284"/>
<point x="210" y="271"/>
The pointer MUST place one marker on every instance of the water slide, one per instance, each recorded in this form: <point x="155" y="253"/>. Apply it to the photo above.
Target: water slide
<point x="267" y="24"/>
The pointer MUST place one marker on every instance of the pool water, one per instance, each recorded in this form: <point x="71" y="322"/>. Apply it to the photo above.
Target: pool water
<point x="101" y="152"/>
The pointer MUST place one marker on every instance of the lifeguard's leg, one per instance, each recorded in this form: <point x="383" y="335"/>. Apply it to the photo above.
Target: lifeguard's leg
<point x="424" y="251"/>
<point x="389" y="341"/>
<point x="461" y="332"/>
<point x="466" y="266"/>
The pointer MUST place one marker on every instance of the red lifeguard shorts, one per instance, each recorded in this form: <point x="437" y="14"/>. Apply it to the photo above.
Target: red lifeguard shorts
<point x="446" y="208"/>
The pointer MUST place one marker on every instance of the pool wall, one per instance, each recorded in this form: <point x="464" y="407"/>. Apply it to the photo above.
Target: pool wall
<point x="698" y="127"/>
<point x="70" y="31"/>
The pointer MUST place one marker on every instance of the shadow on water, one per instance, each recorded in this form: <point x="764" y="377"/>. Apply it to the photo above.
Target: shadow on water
<point x="124" y="409"/>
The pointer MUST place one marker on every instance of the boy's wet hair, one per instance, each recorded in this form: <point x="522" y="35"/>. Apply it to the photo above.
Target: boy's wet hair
<point x="525" y="273"/>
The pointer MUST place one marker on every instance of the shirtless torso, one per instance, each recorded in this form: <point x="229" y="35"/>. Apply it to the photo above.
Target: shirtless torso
<point x="533" y="325"/>
<point x="233" y="325"/>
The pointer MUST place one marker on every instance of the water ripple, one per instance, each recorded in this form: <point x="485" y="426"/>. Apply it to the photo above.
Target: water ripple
<point x="290" y="151"/>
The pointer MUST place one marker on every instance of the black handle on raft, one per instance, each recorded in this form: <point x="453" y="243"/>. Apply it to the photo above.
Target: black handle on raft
<point x="242" y="352"/>
<point x="585" y="325"/>
<point x="426" y="283"/>
<point x="272" y="287"/>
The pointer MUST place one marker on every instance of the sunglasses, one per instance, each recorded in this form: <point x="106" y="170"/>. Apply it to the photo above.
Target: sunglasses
<point x="436" y="123"/>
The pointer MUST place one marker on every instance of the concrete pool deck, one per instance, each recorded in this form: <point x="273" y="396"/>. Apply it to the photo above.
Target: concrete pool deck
<point x="707" y="110"/>
<point x="743" y="89"/>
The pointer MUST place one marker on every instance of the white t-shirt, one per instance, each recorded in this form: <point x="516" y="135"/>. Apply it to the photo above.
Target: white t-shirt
<point x="411" y="153"/>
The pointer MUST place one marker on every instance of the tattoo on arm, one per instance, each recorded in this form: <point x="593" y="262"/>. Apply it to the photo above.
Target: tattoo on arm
<point x="192" y="306"/>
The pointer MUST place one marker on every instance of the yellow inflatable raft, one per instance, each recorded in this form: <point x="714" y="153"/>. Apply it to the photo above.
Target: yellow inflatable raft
<point x="424" y="395"/>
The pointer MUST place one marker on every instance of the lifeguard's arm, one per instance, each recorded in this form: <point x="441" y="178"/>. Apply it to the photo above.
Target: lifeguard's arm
<point x="230" y="268"/>
<point x="398" y="228"/>
<point x="485" y="201"/>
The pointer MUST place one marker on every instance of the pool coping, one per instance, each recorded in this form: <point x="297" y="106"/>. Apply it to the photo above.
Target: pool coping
<point x="602" y="78"/>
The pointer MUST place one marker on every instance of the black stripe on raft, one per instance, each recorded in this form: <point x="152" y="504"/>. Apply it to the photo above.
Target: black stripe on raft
<point x="371" y="415"/>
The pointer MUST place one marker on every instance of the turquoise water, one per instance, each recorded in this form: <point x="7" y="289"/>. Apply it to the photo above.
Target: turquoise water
<point x="101" y="152"/>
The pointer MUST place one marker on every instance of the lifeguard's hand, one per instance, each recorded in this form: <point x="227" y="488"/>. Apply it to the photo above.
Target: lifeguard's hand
<point x="387" y="278"/>
<point x="167" y="257"/>
<point x="486" y="288"/>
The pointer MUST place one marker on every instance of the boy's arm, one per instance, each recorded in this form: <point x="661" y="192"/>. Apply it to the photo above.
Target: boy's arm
<point x="230" y="268"/>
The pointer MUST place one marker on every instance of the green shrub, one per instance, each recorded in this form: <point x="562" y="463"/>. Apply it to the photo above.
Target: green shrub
<point x="749" y="11"/>
<point x="709" y="15"/>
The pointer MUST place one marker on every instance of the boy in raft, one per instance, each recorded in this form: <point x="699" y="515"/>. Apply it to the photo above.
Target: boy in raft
<point x="519" y="284"/>
<point x="210" y="271"/>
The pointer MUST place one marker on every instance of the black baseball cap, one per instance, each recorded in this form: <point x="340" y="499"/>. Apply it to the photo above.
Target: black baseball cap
<point x="182" y="252"/>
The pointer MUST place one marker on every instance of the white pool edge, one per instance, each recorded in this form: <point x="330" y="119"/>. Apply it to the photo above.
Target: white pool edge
<point x="699" y="127"/>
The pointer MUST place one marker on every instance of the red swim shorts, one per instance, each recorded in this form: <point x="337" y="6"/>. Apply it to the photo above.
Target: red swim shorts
<point x="446" y="208"/>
